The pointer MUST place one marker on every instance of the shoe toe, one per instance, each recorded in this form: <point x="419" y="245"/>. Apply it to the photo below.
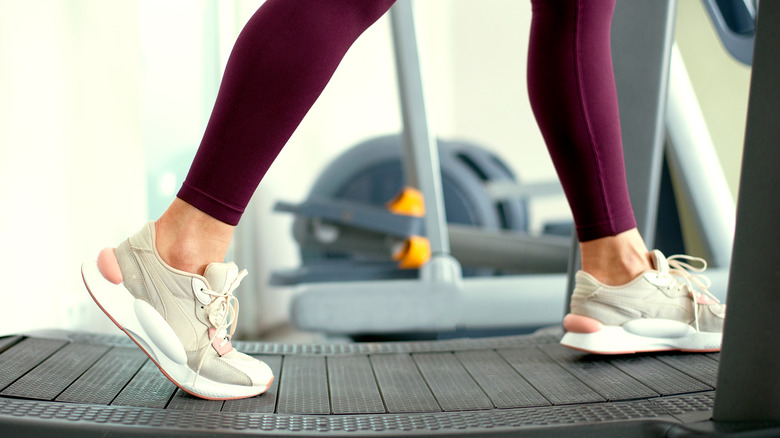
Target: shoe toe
<point x="258" y="371"/>
<point x="711" y="318"/>
<point x="263" y="375"/>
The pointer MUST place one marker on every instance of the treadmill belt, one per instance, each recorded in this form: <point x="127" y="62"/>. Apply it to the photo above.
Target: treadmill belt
<point x="79" y="384"/>
<point x="149" y="388"/>
<point x="402" y="386"/>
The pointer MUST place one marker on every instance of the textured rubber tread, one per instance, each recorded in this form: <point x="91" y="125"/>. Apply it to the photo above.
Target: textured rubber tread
<point x="450" y="383"/>
<point x="701" y="367"/>
<point x="505" y="387"/>
<point x="353" y="388"/>
<point x="148" y="389"/>
<point x="599" y="375"/>
<point x="304" y="386"/>
<point x="181" y="400"/>
<point x="553" y="382"/>
<point x="403" y="387"/>
<point x="103" y="381"/>
<point x="660" y="377"/>
<point x="24" y="356"/>
<point x="56" y="373"/>
<point x="8" y="341"/>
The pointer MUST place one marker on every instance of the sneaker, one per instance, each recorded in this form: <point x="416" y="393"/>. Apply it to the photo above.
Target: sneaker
<point x="182" y="321"/>
<point x="666" y="308"/>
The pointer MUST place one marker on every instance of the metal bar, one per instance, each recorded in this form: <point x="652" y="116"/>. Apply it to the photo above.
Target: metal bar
<point x="748" y="382"/>
<point x="515" y="252"/>
<point x="696" y="167"/>
<point x="646" y="28"/>
<point x="421" y="152"/>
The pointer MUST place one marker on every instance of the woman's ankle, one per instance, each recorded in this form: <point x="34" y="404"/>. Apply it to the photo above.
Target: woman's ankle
<point x="616" y="260"/>
<point x="189" y="240"/>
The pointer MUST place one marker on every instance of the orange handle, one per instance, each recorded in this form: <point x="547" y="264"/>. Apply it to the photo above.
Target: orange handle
<point x="415" y="252"/>
<point x="408" y="202"/>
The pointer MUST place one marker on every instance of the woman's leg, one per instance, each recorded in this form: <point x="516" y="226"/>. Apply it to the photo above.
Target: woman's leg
<point x="166" y="285"/>
<point x="281" y="62"/>
<point x="573" y="96"/>
<point x="615" y="308"/>
<point x="189" y="239"/>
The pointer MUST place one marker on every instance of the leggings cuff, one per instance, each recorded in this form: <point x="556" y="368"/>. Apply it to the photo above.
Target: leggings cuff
<point x="608" y="228"/>
<point x="210" y="205"/>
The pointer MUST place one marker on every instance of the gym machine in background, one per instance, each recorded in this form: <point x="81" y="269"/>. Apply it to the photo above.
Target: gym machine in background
<point x="351" y="294"/>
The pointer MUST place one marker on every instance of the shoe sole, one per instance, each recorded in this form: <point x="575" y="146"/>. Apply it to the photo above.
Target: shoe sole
<point x="149" y="330"/>
<point x="617" y="340"/>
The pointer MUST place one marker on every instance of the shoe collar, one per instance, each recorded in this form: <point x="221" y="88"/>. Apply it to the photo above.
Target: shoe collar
<point x="220" y="276"/>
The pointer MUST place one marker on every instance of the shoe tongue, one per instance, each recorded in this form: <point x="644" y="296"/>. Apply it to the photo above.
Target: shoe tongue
<point x="659" y="261"/>
<point x="220" y="275"/>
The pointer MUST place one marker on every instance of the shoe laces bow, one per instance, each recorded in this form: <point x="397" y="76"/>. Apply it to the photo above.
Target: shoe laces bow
<point x="222" y="314"/>
<point x="697" y="284"/>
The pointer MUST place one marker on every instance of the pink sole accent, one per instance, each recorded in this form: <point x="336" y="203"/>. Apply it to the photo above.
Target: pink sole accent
<point x="609" y="353"/>
<point x="109" y="266"/>
<point x="581" y="324"/>
<point x="703" y="350"/>
<point x="617" y="353"/>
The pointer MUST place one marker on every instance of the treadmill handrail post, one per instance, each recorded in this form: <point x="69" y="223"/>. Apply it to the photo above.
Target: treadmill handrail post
<point x="421" y="157"/>
<point x="748" y="386"/>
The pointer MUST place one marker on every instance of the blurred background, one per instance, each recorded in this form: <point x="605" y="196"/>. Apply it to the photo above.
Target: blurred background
<point x="103" y="103"/>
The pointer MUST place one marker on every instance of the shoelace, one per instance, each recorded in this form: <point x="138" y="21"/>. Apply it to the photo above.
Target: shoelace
<point x="222" y="313"/>
<point x="698" y="285"/>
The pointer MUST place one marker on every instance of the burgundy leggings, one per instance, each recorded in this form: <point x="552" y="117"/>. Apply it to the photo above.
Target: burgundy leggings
<point x="289" y="50"/>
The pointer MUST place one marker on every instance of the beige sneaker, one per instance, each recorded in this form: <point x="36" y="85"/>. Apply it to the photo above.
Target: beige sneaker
<point x="182" y="321"/>
<point x="667" y="308"/>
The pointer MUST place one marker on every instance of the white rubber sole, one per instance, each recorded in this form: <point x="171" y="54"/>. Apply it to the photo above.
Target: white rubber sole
<point x="149" y="330"/>
<point x="644" y="335"/>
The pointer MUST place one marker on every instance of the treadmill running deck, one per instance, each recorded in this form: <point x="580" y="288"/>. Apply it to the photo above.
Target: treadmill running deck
<point x="78" y="384"/>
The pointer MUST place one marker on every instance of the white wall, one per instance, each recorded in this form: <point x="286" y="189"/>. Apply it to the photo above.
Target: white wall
<point x="98" y="99"/>
<point x="71" y="170"/>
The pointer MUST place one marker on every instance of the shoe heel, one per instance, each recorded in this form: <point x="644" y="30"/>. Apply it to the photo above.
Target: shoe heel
<point x="581" y="324"/>
<point x="109" y="266"/>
